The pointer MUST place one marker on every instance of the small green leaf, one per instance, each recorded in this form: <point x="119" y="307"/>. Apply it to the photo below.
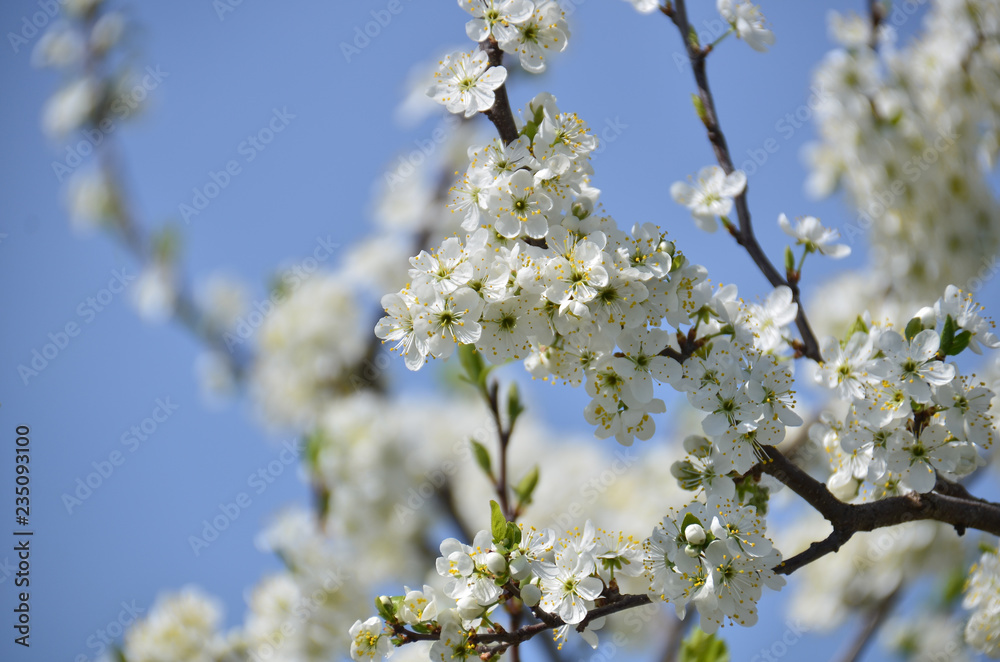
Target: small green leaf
<point x="167" y="244"/>
<point x="526" y="487"/>
<point x="947" y="336"/>
<point x="514" y="406"/>
<point x="693" y="38"/>
<point x="471" y="361"/>
<point x="954" y="585"/>
<point x="699" y="107"/>
<point x="386" y="608"/>
<point x="513" y="536"/>
<point x="960" y="343"/>
<point x="913" y="327"/>
<point x="789" y="260"/>
<point x="482" y="457"/>
<point x="751" y="493"/>
<point x="498" y="523"/>
<point x="702" y="647"/>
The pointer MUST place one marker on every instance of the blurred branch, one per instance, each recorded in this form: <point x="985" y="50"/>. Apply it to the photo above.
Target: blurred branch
<point x="744" y="235"/>
<point x="676" y="629"/>
<point x="876" y="13"/>
<point x="876" y="618"/>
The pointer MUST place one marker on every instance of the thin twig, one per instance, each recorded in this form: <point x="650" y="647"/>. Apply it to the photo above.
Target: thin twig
<point x="744" y="235"/>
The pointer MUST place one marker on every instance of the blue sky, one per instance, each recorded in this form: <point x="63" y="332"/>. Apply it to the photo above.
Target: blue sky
<point x="223" y="77"/>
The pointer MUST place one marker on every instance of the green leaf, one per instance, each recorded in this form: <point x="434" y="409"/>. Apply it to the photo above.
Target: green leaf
<point x="471" y="361"/>
<point x="514" y="406"/>
<point x="693" y="38"/>
<point x="386" y="608"/>
<point x="960" y="343"/>
<point x="498" y="523"/>
<point x="789" y="260"/>
<point x="702" y="647"/>
<point x="482" y="457"/>
<point x="913" y="327"/>
<point x="513" y="535"/>
<point x="314" y="444"/>
<point x="954" y="585"/>
<point x="167" y="244"/>
<point x="947" y="336"/>
<point x="751" y="493"/>
<point x="526" y="486"/>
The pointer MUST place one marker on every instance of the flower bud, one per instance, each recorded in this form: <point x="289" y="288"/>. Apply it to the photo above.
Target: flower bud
<point x="496" y="563"/>
<point x="692" y="551"/>
<point x="469" y="609"/>
<point x="695" y="534"/>
<point x="530" y="595"/>
<point x="520" y="569"/>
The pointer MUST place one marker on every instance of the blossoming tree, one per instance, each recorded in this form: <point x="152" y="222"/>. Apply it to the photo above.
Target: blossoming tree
<point x="514" y="259"/>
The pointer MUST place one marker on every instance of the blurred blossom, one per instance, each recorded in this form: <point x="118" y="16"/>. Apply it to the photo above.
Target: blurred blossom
<point x="61" y="46"/>
<point x="155" y="293"/>
<point x="91" y="199"/>
<point x="71" y="107"/>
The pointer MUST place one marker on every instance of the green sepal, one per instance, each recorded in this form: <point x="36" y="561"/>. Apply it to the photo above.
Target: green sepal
<point x="859" y="325"/>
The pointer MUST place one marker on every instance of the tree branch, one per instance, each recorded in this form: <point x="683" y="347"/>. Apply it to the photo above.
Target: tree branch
<point x="847" y="519"/>
<point x="500" y="114"/>
<point x="744" y="235"/>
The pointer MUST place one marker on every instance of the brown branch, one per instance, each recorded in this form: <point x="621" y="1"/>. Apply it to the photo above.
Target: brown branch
<point x="498" y="642"/>
<point x="847" y="519"/>
<point x="744" y="235"/>
<point x="500" y="113"/>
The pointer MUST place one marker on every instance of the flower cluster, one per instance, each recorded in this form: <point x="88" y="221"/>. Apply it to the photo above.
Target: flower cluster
<point x="541" y="277"/>
<point x="713" y="555"/>
<point x="529" y="29"/>
<point x="911" y="134"/>
<point x="913" y="417"/>
<point x="983" y="596"/>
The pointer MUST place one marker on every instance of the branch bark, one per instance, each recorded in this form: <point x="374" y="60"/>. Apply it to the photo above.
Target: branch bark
<point x="500" y="114"/>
